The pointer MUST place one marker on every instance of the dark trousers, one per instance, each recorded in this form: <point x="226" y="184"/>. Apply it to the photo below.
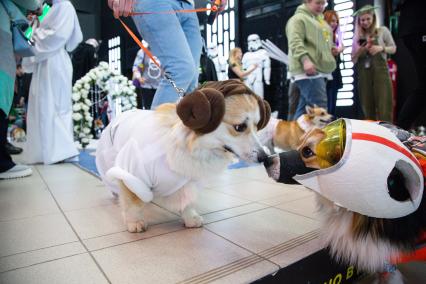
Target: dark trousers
<point x="5" y="159"/>
<point x="144" y="98"/>
<point x="415" y="103"/>
<point x="331" y="98"/>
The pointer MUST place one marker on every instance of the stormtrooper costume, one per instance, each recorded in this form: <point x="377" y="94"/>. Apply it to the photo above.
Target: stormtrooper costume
<point x="259" y="56"/>
<point x="219" y="62"/>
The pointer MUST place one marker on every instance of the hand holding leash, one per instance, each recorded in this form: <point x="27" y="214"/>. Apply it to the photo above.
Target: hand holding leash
<point x="121" y="7"/>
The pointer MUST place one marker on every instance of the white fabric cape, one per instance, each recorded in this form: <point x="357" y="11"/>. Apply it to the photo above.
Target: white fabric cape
<point x="49" y="118"/>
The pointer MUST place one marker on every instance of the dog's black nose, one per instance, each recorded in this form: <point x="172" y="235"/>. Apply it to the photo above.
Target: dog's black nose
<point x="262" y="156"/>
<point x="268" y="161"/>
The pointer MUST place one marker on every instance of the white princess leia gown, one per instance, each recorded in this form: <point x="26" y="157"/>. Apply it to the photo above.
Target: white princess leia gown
<point x="49" y="118"/>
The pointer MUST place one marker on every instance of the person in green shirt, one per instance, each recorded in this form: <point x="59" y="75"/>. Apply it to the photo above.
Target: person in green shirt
<point x="310" y="59"/>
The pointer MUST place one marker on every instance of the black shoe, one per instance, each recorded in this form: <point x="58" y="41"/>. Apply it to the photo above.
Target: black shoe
<point x="12" y="150"/>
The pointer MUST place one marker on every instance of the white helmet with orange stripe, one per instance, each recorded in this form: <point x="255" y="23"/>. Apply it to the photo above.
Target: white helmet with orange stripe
<point x="373" y="174"/>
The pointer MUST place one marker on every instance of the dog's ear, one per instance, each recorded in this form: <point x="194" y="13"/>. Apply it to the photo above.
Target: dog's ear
<point x="202" y="110"/>
<point x="309" y="110"/>
<point x="265" y="112"/>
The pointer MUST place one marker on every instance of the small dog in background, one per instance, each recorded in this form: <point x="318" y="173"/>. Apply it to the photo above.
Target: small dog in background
<point x="286" y="135"/>
<point x="17" y="134"/>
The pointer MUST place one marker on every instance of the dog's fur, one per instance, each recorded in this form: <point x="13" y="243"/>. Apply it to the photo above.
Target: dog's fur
<point x="356" y="239"/>
<point x="196" y="156"/>
<point x="286" y="135"/>
<point x="18" y="134"/>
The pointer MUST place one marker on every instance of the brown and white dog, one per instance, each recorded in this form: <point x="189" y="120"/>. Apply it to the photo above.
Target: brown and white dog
<point x="286" y="135"/>
<point x="18" y="134"/>
<point x="366" y="242"/>
<point x="165" y="154"/>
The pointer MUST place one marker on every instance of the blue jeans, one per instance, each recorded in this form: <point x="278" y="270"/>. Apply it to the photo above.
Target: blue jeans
<point x="176" y="40"/>
<point x="312" y="92"/>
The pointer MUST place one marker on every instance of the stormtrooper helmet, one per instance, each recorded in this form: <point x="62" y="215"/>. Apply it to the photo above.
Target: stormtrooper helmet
<point x="212" y="51"/>
<point x="253" y="42"/>
<point x="364" y="168"/>
<point x="373" y="166"/>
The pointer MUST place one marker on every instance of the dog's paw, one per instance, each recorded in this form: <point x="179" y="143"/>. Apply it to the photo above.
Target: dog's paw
<point x="137" y="227"/>
<point x="193" y="221"/>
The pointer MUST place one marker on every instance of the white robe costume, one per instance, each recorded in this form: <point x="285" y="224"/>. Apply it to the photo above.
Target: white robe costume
<point x="137" y="157"/>
<point x="49" y="119"/>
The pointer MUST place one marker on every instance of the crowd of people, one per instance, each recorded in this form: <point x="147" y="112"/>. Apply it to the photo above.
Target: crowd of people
<point x="315" y="45"/>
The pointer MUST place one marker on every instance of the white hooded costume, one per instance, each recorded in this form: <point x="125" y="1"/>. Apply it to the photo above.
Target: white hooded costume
<point x="138" y="158"/>
<point x="49" y="120"/>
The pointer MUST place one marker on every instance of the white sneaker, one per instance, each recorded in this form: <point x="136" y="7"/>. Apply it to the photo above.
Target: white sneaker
<point x="16" y="172"/>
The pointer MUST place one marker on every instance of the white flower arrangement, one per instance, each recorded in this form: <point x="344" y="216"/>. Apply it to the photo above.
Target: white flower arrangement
<point x="104" y="78"/>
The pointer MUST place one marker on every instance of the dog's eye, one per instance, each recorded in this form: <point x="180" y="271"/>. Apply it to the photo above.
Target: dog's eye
<point x="323" y="113"/>
<point x="307" y="152"/>
<point x="240" y="127"/>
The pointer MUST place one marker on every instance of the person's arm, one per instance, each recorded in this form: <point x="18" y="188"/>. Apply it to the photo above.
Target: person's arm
<point x="387" y="44"/>
<point x="121" y="7"/>
<point x="30" y="5"/>
<point x="357" y="49"/>
<point x="296" y="32"/>
<point x="243" y="74"/>
<point x="390" y="46"/>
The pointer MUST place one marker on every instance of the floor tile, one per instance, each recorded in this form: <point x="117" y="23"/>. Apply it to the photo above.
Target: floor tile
<point x="38" y="256"/>
<point x="88" y="196"/>
<point x="304" y="206"/>
<point x="263" y="229"/>
<point x="34" y="233"/>
<point x="210" y="201"/>
<point x="223" y="179"/>
<point x="155" y="260"/>
<point x="232" y="212"/>
<point x="254" y="190"/>
<point x="17" y="202"/>
<point x="71" y="270"/>
<point x="295" y="249"/>
<point x="252" y="173"/>
<point x="66" y="177"/>
<point x="33" y="180"/>
<point x="104" y="220"/>
<point x="292" y="192"/>
<point x="126" y="237"/>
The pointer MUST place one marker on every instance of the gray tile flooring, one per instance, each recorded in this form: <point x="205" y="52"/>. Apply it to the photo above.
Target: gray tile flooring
<point x="61" y="225"/>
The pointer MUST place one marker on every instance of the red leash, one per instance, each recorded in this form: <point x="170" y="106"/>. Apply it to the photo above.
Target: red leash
<point x="180" y="91"/>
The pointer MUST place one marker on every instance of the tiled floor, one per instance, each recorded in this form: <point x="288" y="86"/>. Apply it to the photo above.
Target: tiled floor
<point x="62" y="226"/>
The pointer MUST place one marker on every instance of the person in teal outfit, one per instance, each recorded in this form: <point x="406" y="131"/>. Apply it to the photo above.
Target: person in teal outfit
<point x="9" y="10"/>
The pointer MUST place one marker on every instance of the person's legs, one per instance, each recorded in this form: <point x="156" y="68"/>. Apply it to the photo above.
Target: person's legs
<point x="331" y="97"/>
<point x="139" y="98"/>
<point x="365" y="93"/>
<point x="169" y="43"/>
<point x="312" y="92"/>
<point x="415" y="103"/>
<point x="6" y="162"/>
<point x="191" y="28"/>
<point x="293" y="100"/>
<point x="382" y="92"/>
<point x="147" y="96"/>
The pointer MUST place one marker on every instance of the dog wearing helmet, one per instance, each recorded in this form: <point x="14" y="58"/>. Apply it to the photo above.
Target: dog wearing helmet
<point x="369" y="180"/>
